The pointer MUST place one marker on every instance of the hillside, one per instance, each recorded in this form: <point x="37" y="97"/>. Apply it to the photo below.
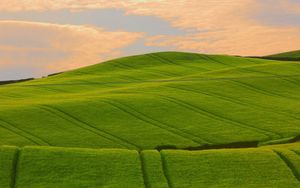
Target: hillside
<point x="289" y="56"/>
<point x="148" y="101"/>
<point x="109" y="125"/>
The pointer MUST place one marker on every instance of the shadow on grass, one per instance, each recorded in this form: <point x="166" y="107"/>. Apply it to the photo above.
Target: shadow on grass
<point x="15" y="81"/>
<point x="234" y="145"/>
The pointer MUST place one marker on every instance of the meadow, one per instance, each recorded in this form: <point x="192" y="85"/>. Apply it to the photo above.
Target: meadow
<point x="112" y="124"/>
<point x="44" y="166"/>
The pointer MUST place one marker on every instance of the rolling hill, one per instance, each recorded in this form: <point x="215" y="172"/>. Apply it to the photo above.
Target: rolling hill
<point x="289" y="56"/>
<point x="123" y="116"/>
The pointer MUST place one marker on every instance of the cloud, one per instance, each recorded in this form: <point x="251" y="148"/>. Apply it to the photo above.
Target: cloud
<point x="227" y="26"/>
<point x="76" y="5"/>
<point x="217" y="26"/>
<point x="51" y="47"/>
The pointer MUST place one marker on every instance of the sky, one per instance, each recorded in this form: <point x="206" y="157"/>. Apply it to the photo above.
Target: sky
<point x="39" y="37"/>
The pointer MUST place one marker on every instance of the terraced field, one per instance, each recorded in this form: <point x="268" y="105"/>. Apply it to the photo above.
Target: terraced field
<point x="136" y="107"/>
<point x="52" y="167"/>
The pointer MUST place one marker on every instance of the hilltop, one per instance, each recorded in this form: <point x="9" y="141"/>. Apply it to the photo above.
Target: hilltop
<point x="288" y="56"/>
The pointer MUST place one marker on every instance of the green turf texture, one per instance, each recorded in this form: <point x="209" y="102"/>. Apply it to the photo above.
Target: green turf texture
<point x="158" y="100"/>
<point x="7" y="164"/>
<point x="142" y="102"/>
<point x="61" y="167"/>
<point x="45" y="167"/>
<point x="293" y="55"/>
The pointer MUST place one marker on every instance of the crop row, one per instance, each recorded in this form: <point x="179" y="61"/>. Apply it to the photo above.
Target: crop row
<point x="270" y="166"/>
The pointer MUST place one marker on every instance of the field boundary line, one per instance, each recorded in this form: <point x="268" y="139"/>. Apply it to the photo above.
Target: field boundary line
<point x="156" y="123"/>
<point x="165" y="169"/>
<point x="288" y="163"/>
<point x="15" y="168"/>
<point x="220" y="118"/>
<point x="143" y="168"/>
<point x="95" y="130"/>
<point x="25" y="134"/>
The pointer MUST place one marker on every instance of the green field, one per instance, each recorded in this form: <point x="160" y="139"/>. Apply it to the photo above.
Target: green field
<point x="38" y="166"/>
<point x="99" y="126"/>
<point x="291" y="56"/>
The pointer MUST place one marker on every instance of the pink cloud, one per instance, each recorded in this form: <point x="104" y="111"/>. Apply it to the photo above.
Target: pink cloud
<point x="222" y="26"/>
<point x="52" y="47"/>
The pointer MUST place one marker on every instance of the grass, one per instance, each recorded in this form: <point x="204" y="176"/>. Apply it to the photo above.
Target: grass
<point x="146" y="101"/>
<point x="42" y="167"/>
<point x="229" y="168"/>
<point x="7" y="166"/>
<point x="290" y="56"/>
<point x="61" y="167"/>
<point x="126" y="108"/>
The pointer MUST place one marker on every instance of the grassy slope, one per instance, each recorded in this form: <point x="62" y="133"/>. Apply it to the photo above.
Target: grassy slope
<point x="146" y="101"/>
<point x="293" y="55"/>
<point x="63" y="167"/>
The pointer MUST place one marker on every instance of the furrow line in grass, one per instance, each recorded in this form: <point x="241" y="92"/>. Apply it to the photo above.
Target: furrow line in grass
<point x="15" y="132"/>
<point x="148" y="120"/>
<point x="78" y="124"/>
<point x="252" y="61"/>
<point x="164" y="59"/>
<point x="214" y="60"/>
<point x="25" y="134"/>
<point x="134" y="68"/>
<point x="288" y="163"/>
<point x="167" y="74"/>
<point x="153" y="122"/>
<point x="262" y="91"/>
<point x="117" y="64"/>
<point x="156" y="81"/>
<point x="297" y="152"/>
<point x="159" y="59"/>
<point x="163" y="72"/>
<point x="234" y="100"/>
<point x="275" y="75"/>
<point x="143" y="168"/>
<point x="125" y="65"/>
<point x="165" y="169"/>
<point x="151" y="71"/>
<point x="53" y="89"/>
<point x="196" y="138"/>
<point x="15" y="168"/>
<point x="96" y="130"/>
<point x="218" y="117"/>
